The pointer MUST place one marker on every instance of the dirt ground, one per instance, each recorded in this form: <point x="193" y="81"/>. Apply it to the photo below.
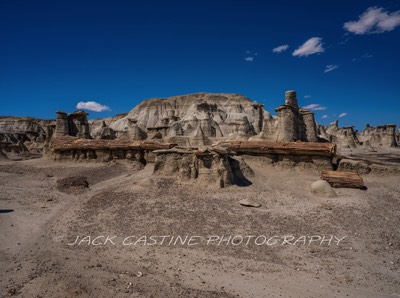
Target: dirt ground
<point x="274" y="250"/>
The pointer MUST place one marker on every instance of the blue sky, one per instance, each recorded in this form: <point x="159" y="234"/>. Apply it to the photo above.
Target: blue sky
<point x="342" y="55"/>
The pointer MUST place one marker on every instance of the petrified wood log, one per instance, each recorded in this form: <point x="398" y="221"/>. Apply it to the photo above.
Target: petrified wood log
<point x="72" y="143"/>
<point x="343" y="179"/>
<point x="290" y="148"/>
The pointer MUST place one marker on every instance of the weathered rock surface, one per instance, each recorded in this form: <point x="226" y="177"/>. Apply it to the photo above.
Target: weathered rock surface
<point x="74" y="124"/>
<point x="346" y="137"/>
<point x="203" y="166"/>
<point x="193" y="120"/>
<point x="20" y="135"/>
<point x="379" y="136"/>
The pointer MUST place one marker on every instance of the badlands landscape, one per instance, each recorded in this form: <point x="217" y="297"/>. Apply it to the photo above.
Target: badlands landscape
<point x="201" y="195"/>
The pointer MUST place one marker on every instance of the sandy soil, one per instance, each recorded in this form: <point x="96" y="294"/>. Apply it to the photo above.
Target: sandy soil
<point x="41" y="219"/>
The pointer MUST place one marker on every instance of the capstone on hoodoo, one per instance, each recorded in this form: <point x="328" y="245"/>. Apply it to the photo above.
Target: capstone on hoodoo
<point x="74" y="124"/>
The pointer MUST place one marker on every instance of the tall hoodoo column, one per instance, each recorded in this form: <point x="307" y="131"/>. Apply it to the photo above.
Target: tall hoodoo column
<point x="287" y="124"/>
<point x="62" y="125"/>
<point x="79" y="125"/>
<point x="291" y="99"/>
<point x="288" y="118"/>
<point x="310" y="127"/>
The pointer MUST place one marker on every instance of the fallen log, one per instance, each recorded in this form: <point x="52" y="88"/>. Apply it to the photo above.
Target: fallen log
<point x="343" y="179"/>
<point x="72" y="143"/>
<point x="289" y="148"/>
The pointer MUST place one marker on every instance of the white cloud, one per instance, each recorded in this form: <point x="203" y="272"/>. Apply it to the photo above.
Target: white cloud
<point x="330" y="67"/>
<point x="324" y="117"/>
<point x="92" y="106"/>
<point x="374" y="20"/>
<point x="311" y="46"/>
<point x="342" y="115"/>
<point x="314" y="107"/>
<point x="249" y="59"/>
<point x="307" y="96"/>
<point x="280" y="49"/>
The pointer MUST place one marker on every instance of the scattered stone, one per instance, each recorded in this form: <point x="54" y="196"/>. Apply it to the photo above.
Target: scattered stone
<point x="72" y="184"/>
<point x="249" y="203"/>
<point x="356" y="166"/>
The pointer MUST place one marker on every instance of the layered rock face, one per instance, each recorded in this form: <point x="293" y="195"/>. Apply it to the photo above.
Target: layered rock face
<point x="24" y="134"/>
<point x="208" y="166"/>
<point x="193" y="120"/>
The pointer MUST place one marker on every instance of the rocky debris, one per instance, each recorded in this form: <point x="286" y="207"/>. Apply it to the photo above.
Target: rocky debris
<point x="72" y="184"/>
<point x="323" y="189"/>
<point x="357" y="166"/>
<point x="343" y="179"/>
<point x="249" y="203"/>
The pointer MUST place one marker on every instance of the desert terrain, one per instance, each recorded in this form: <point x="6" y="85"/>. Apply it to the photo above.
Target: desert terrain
<point x="42" y="215"/>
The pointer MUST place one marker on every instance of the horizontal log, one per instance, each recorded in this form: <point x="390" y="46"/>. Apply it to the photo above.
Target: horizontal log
<point x="343" y="179"/>
<point x="72" y="143"/>
<point x="289" y="148"/>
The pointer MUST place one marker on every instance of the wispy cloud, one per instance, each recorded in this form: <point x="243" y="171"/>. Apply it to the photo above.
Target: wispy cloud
<point x="330" y="67"/>
<point x="342" y="115"/>
<point x="374" y="20"/>
<point x="311" y="46"/>
<point x="365" y="56"/>
<point x="325" y="116"/>
<point x="307" y="96"/>
<point x="250" y="57"/>
<point x="314" y="107"/>
<point x="280" y="49"/>
<point x="92" y="106"/>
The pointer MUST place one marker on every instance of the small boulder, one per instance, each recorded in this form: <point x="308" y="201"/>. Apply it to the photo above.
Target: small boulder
<point x="322" y="188"/>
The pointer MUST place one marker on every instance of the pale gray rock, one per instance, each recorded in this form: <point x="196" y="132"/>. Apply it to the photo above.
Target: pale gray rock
<point x="322" y="188"/>
<point x="249" y="203"/>
<point x="196" y="119"/>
